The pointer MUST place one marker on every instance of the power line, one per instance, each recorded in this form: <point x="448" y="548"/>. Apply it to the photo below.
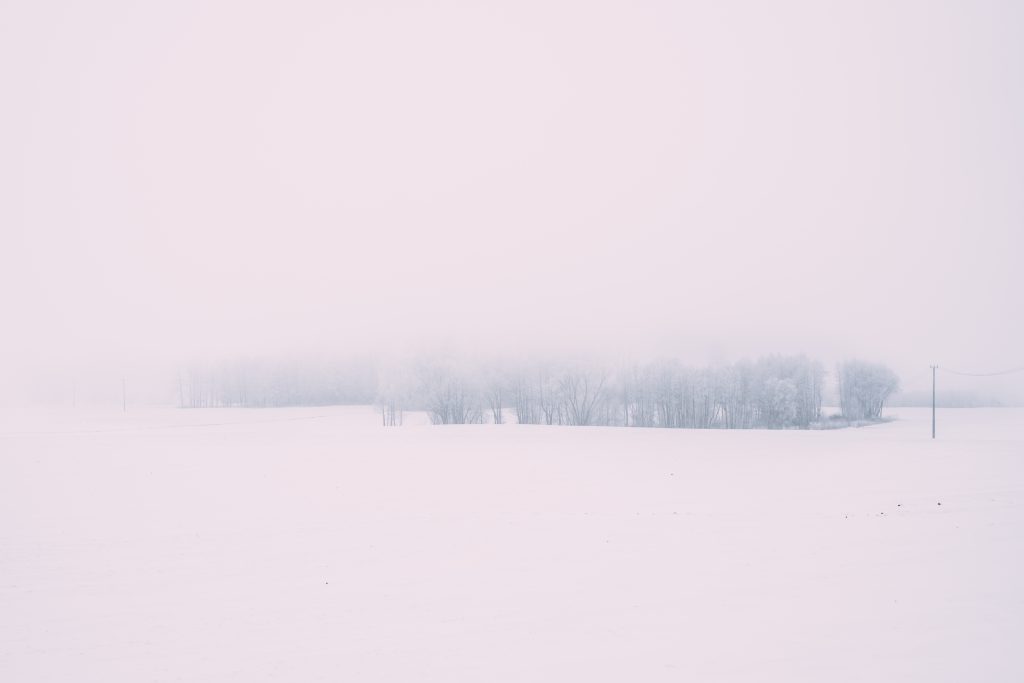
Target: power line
<point x="983" y="374"/>
<point x="964" y="374"/>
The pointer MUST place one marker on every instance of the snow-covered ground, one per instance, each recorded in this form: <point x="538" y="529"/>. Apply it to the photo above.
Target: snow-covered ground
<point x="313" y="544"/>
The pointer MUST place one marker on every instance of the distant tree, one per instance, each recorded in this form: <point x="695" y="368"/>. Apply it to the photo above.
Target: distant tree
<point x="581" y="392"/>
<point x="393" y="394"/>
<point x="788" y="390"/>
<point x="496" y="391"/>
<point x="636" y="387"/>
<point x="864" y="388"/>
<point x="523" y="390"/>
<point x="448" y="393"/>
<point x="549" y="397"/>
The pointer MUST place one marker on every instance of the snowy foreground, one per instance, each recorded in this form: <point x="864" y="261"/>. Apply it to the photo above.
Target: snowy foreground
<point x="315" y="545"/>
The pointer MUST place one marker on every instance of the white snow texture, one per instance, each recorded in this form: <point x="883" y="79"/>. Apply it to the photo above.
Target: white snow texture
<point x="314" y="545"/>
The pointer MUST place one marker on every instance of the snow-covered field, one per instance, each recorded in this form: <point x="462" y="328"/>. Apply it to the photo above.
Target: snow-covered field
<point x="315" y="545"/>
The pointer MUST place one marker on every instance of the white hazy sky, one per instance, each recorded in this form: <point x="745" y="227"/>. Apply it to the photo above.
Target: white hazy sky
<point x="722" y="178"/>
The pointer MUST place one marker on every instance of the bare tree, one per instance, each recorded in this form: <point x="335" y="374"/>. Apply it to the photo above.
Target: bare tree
<point x="448" y="394"/>
<point x="582" y="391"/>
<point x="864" y="389"/>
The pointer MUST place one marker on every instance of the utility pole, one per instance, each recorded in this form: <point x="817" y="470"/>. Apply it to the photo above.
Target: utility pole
<point x="933" y="367"/>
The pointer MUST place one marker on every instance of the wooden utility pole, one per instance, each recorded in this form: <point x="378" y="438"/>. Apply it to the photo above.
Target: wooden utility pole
<point x="933" y="367"/>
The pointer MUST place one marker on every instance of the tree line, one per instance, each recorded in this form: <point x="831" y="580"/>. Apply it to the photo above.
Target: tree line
<point x="275" y="384"/>
<point x="772" y="392"/>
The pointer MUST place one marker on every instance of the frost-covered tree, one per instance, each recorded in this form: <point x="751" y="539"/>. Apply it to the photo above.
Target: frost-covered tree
<point x="864" y="388"/>
<point x="775" y="392"/>
<point x="789" y="391"/>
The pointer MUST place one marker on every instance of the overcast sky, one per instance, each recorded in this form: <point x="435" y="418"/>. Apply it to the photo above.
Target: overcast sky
<point x="714" y="179"/>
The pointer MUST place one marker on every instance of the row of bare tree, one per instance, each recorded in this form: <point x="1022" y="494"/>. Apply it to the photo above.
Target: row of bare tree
<point x="773" y="392"/>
